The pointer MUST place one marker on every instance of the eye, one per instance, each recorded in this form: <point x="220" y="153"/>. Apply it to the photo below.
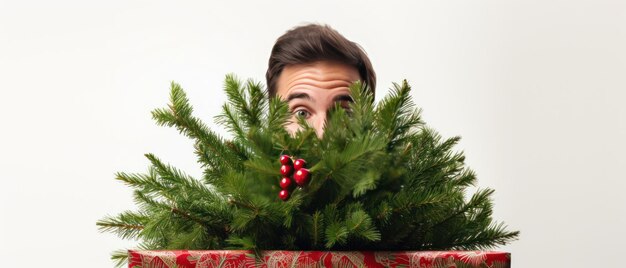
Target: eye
<point x="302" y="113"/>
<point x="346" y="105"/>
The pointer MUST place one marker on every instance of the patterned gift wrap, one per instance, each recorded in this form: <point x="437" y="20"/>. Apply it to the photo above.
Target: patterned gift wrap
<point x="342" y="259"/>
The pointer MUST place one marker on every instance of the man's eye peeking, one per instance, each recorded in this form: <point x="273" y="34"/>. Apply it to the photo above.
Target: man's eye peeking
<point x="301" y="113"/>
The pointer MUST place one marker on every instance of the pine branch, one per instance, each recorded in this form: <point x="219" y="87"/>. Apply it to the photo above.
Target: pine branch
<point x="246" y="243"/>
<point x="143" y="182"/>
<point x="336" y="233"/>
<point x="263" y="166"/>
<point x="381" y="180"/>
<point x="244" y="205"/>
<point x="317" y="227"/>
<point x="395" y="114"/>
<point x="175" y="179"/>
<point x="257" y="103"/>
<point x="479" y="198"/>
<point x="360" y="225"/>
<point x="228" y="119"/>
<point x="126" y="225"/>
<point x="152" y="202"/>
<point x="179" y="115"/>
<point x="360" y="109"/>
<point x="119" y="257"/>
<point x="249" y="102"/>
<point x="187" y="215"/>
<point x="277" y="116"/>
<point x="491" y="237"/>
<point x="237" y="98"/>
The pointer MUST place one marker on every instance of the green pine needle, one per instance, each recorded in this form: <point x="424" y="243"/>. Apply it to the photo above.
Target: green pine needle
<point x="381" y="180"/>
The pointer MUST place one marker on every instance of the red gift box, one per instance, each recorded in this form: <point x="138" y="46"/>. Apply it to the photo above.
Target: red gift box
<point x="284" y="259"/>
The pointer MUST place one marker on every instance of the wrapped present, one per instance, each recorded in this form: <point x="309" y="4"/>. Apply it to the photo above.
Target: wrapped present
<point x="285" y="259"/>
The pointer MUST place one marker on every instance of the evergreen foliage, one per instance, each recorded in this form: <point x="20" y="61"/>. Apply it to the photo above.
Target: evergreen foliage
<point x="381" y="180"/>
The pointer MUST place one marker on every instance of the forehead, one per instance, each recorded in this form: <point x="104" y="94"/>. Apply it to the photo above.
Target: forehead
<point x="319" y="75"/>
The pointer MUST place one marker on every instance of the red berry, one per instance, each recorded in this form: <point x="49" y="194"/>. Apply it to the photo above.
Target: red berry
<point x="283" y="194"/>
<point x="285" y="159"/>
<point x="302" y="176"/>
<point x="285" y="183"/>
<point x="299" y="163"/>
<point x="286" y="170"/>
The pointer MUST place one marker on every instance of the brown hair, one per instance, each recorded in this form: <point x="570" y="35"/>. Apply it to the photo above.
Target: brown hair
<point x="314" y="42"/>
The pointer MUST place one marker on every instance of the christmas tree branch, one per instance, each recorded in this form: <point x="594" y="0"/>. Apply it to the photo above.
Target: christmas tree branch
<point x="126" y="225"/>
<point x="377" y="179"/>
<point x="179" y="115"/>
<point x="187" y="215"/>
<point x="479" y="198"/>
<point x="241" y="204"/>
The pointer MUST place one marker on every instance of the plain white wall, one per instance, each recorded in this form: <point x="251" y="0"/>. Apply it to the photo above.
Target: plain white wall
<point x="535" y="88"/>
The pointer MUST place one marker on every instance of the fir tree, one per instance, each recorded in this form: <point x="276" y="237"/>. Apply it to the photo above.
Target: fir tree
<point x="381" y="180"/>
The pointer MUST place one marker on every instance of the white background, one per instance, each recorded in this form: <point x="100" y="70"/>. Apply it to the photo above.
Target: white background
<point x="535" y="88"/>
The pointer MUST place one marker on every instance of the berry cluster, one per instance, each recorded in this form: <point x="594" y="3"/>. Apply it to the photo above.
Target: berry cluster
<point x="301" y="175"/>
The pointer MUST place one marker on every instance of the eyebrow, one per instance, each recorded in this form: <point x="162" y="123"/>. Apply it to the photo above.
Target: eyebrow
<point x="299" y="96"/>
<point x="343" y="98"/>
<point x="307" y="97"/>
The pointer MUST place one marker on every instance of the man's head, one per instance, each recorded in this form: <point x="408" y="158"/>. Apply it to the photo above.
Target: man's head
<point x="312" y="67"/>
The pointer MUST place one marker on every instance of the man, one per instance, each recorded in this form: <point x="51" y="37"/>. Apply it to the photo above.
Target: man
<point x="312" y="67"/>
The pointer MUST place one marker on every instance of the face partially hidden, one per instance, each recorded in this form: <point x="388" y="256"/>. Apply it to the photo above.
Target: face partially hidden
<point x="312" y="89"/>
